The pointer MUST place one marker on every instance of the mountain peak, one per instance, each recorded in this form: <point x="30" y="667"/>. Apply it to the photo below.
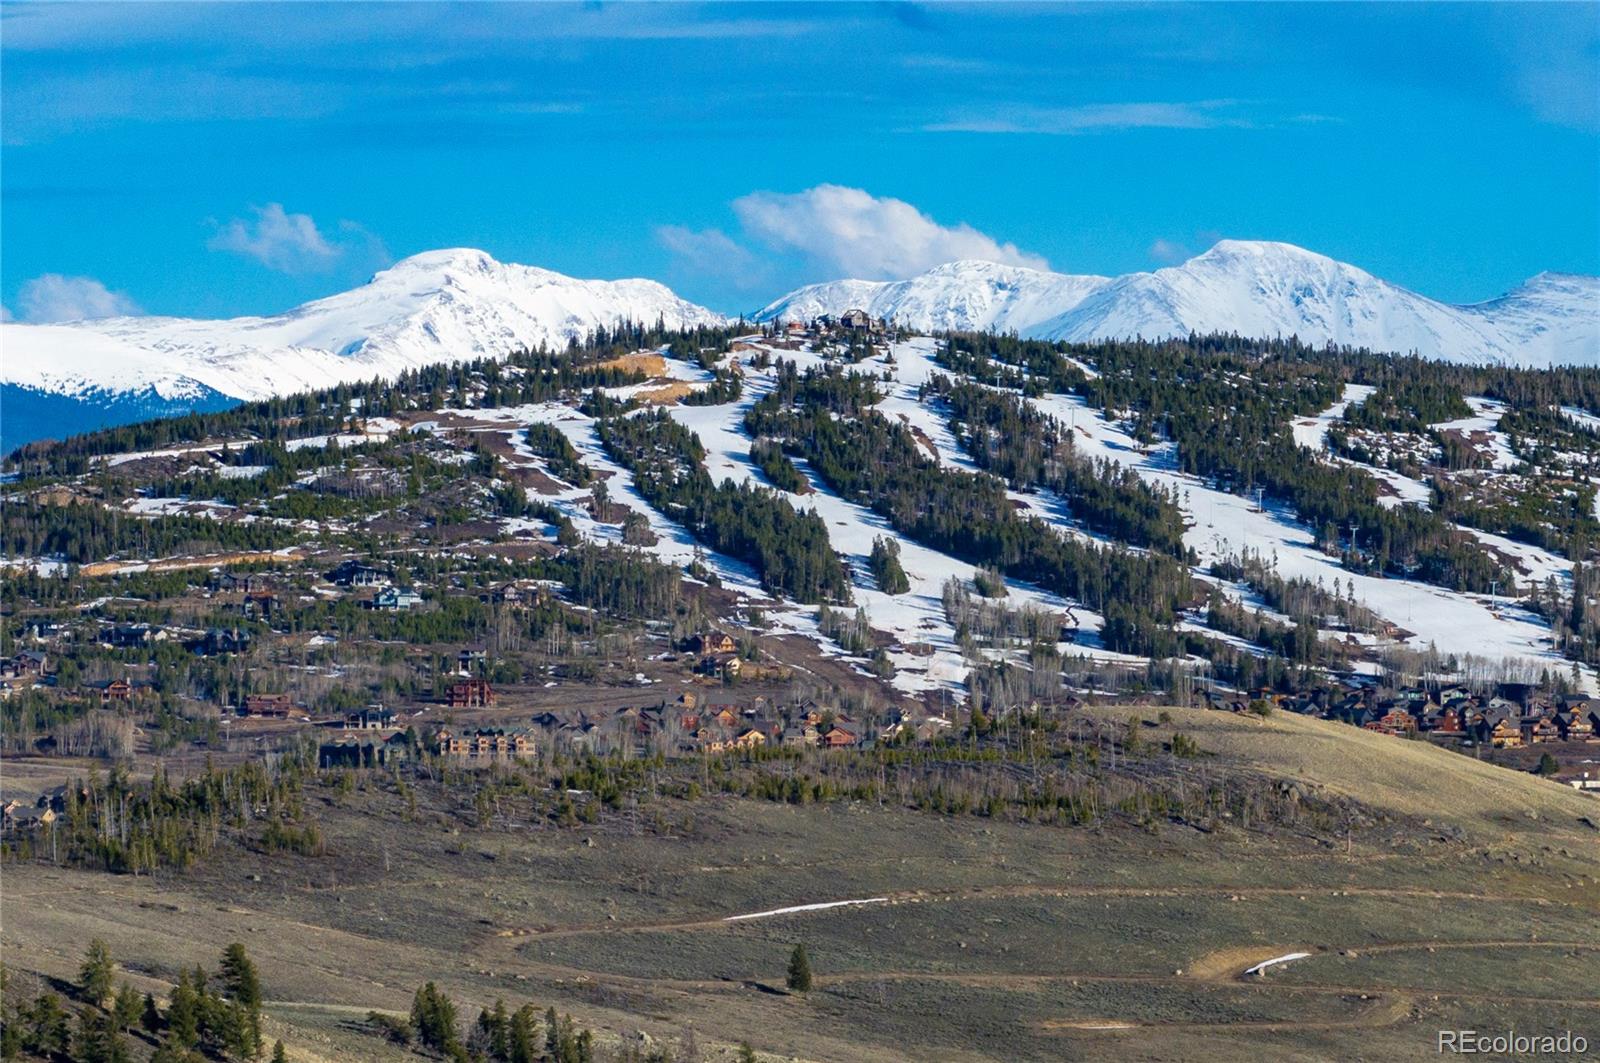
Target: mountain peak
<point x="1272" y="253"/>
<point x="442" y="259"/>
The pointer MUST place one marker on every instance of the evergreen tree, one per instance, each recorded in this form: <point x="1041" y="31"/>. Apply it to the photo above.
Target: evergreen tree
<point x="278" y="1053"/>
<point x="799" y="978"/>
<point x="433" y="1016"/>
<point x="94" y="977"/>
<point x="49" y="1027"/>
<point x="239" y="979"/>
<point x="129" y="1006"/>
<point x="524" y="1036"/>
<point x="183" y="1014"/>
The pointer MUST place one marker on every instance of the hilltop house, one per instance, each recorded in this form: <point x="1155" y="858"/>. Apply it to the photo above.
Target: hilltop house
<point x="470" y="694"/>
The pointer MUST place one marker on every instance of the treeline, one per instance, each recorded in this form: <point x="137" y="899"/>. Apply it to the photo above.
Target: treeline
<point x="1297" y="596"/>
<point x="1555" y="514"/>
<point x="1009" y="437"/>
<point x="1037" y="763"/>
<point x="726" y="386"/>
<point x="789" y="549"/>
<point x="114" y="824"/>
<point x="522" y="377"/>
<point x="827" y="417"/>
<point x="499" y="1035"/>
<point x="79" y="534"/>
<point x="620" y="582"/>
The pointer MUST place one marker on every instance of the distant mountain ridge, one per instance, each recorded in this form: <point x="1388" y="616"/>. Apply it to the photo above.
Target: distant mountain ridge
<point x="433" y="307"/>
<point x="460" y="303"/>
<point x="1254" y="288"/>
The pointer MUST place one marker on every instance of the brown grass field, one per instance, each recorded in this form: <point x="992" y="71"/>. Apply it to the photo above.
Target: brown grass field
<point x="1473" y="901"/>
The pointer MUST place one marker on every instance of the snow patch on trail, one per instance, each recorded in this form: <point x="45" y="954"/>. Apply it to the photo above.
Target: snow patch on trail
<point x="1288" y="957"/>
<point x="804" y="908"/>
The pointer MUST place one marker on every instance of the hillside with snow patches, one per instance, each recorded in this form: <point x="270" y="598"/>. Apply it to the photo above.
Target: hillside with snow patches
<point x="1252" y="288"/>
<point x="1220" y="525"/>
<point x="924" y="647"/>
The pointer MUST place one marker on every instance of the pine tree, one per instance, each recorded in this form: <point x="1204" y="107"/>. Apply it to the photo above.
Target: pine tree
<point x="799" y="978"/>
<point x="94" y="977"/>
<point x="524" y="1036"/>
<point x="128" y="1007"/>
<point x="433" y="1016"/>
<point x="278" y="1053"/>
<point x="239" y="979"/>
<point x="183" y="1013"/>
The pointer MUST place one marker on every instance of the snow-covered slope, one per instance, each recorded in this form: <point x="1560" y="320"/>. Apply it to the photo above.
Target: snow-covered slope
<point x="1251" y="287"/>
<point x="957" y="295"/>
<point x="438" y="306"/>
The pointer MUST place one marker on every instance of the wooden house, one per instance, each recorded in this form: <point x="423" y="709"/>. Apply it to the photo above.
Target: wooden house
<point x="270" y="706"/>
<point x="712" y="642"/>
<point x="839" y="738"/>
<point x="470" y="694"/>
<point x="486" y="744"/>
<point x="1575" y="725"/>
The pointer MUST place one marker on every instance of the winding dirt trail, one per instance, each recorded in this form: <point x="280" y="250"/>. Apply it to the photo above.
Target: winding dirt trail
<point x="981" y="893"/>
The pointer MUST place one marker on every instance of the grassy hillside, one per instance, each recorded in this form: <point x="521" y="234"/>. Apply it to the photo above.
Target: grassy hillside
<point x="982" y="939"/>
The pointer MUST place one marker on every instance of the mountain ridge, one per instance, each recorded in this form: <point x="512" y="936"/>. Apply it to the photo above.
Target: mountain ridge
<point x="457" y="303"/>
<point x="1256" y="288"/>
<point x="436" y="306"/>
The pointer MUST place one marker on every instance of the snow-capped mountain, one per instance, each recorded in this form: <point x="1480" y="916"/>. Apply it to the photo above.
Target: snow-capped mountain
<point x="967" y="295"/>
<point x="433" y="307"/>
<point x="1254" y="288"/>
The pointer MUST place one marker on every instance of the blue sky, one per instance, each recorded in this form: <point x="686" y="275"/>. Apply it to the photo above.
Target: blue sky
<point x="203" y="160"/>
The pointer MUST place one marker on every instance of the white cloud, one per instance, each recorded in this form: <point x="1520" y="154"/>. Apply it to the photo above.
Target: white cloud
<point x="712" y="253"/>
<point x="850" y="231"/>
<point x="53" y="297"/>
<point x="1097" y="117"/>
<point x="289" y="243"/>
<point x="1169" y="252"/>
